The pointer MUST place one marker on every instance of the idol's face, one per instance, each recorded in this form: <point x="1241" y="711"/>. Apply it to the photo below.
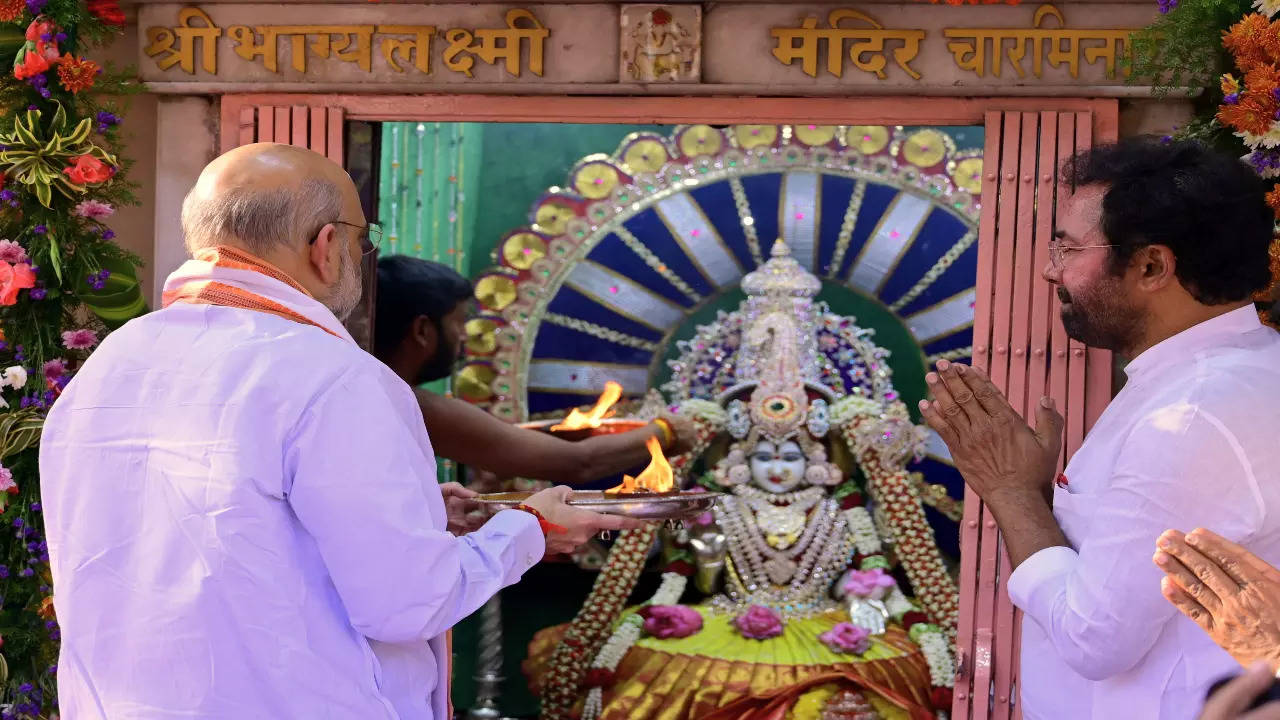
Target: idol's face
<point x="777" y="468"/>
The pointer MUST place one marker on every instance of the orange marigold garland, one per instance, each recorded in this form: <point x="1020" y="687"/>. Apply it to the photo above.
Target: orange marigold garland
<point x="77" y="74"/>
<point x="11" y="10"/>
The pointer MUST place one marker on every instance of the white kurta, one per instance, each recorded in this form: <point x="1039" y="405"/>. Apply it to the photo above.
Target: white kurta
<point x="244" y="522"/>
<point x="1189" y="442"/>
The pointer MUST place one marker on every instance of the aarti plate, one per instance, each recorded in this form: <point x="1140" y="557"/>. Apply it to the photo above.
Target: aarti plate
<point x="642" y="506"/>
<point x="609" y="426"/>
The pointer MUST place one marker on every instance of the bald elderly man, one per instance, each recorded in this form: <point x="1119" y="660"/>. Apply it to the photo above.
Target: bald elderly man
<point x="242" y="511"/>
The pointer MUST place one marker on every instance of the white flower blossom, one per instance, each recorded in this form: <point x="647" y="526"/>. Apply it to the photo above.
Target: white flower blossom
<point x="15" y="377"/>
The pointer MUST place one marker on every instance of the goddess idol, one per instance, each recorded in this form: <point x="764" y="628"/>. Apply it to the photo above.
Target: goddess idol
<point x="799" y="583"/>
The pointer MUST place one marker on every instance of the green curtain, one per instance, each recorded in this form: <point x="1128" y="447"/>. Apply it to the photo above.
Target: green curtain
<point x="426" y="201"/>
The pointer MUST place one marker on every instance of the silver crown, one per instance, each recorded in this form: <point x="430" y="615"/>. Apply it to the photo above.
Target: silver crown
<point x="781" y="276"/>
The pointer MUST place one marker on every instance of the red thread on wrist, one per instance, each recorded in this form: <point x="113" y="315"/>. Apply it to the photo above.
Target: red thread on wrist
<point x="546" y="525"/>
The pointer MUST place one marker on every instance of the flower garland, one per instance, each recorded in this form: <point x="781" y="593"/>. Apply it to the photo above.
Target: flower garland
<point x="623" y="638"/>
<point x="1230" y="51"/>
<point x="593" y="624"/>
<point x="913" y="537"/>
<point x="63" y="285"/>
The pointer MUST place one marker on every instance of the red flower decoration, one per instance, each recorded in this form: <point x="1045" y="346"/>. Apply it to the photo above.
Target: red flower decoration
<point x="599" y="677"/>
<point x="77" y="74"/>
<point x="39" y="28"/>
<point x="14" y="278"/>
<point x="852" y="500"/>
<point x="660" y="17"/>
<point x="680" y="567"/>
<point x="108" y="11"/>
<point x="33" y="64"/>
<point x="940" y="698"/>
<point x="913" y="617"/>
<point x="87" y="170"/>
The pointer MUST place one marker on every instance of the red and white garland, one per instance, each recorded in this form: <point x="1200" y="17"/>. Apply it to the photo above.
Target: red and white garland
<point x="623" y="638"/>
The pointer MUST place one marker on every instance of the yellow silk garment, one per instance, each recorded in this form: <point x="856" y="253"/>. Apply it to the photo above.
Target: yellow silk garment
<point x="687" y="678"/>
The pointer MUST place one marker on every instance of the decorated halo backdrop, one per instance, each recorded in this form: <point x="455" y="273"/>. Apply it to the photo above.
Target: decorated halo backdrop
<point x="643" y="245"/>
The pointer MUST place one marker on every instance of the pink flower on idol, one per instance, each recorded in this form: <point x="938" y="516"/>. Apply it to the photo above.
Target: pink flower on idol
<point x="873" y="584"/>
<point x="12" y="253"/>
<point x="671" y="621"/>
<point x="6" y="479"/>
<point x="758" y="623"/>
<point x="847" y="638"/>
<point x="705" y="518"/>
<point x="81" y="339"/>
<point x="94" y="210"/>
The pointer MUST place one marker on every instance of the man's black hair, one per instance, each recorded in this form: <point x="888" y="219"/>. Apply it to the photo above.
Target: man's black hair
<point x="409" y="287"/>
<point x="1208" y="208"/>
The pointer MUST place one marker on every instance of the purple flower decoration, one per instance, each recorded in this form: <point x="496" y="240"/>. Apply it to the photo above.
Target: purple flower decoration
<point x="35" y="7"/>
<point x="38" y="293"/>
<point x="108" y="234"/>
<point x="106" y="121"/>
<point x="40" y="229"/>
<point x="1231" y="98"/>
<point x="1165" y="5"/>
<point x="4" y="572"/>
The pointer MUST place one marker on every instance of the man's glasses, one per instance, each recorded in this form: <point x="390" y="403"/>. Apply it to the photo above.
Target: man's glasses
<point x="370" y="236"/>
<point x="1058" y="251"/>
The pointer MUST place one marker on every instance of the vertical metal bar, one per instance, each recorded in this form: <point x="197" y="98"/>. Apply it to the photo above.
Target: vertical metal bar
<point x="970" y="524"/>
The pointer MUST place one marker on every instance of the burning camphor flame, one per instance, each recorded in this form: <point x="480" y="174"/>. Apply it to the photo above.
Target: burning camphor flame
<point x="656" y="477"/>
<point x="577" y="420"/>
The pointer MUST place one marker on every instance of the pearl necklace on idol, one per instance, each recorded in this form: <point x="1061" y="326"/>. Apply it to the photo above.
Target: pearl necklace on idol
<point x="794" y="581"/>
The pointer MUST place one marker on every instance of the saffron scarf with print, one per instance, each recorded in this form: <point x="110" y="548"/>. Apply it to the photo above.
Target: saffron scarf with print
<point x="232" y="277"/>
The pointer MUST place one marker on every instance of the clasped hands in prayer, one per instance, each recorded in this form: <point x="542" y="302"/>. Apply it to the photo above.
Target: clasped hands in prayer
<point x="578" y="525"/>
<point x="998" y="454"/>
<point x="1228" y="591"/>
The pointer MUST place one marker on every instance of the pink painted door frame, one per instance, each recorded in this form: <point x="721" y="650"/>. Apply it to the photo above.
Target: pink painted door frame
<point x="1017" y="335"/>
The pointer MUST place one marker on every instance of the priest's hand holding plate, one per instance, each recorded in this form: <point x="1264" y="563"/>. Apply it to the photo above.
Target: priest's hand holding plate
<point x="578" y="525"/>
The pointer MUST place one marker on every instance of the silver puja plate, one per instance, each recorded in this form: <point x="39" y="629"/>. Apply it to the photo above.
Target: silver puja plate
<point x="642" y="506"/>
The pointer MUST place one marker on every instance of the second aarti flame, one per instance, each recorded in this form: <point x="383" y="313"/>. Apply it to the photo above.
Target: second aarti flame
<point x="656" y="478"/>
<point x="578" y="420"/>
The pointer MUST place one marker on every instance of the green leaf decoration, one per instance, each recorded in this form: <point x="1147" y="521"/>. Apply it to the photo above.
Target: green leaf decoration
<point x="19" y="431"/>
<point x="55" y="258"/>
<point x="37" y="158"/>
<point x="121" y="300"/>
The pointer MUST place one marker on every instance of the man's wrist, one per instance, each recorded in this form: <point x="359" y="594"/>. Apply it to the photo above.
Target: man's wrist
<point x="1017" y="503"/>
<point x="546" y="525"/>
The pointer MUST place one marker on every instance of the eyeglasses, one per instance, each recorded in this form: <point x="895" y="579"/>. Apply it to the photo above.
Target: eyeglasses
<point x="1058" y="251"/>
<point x="370" y="236"/>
